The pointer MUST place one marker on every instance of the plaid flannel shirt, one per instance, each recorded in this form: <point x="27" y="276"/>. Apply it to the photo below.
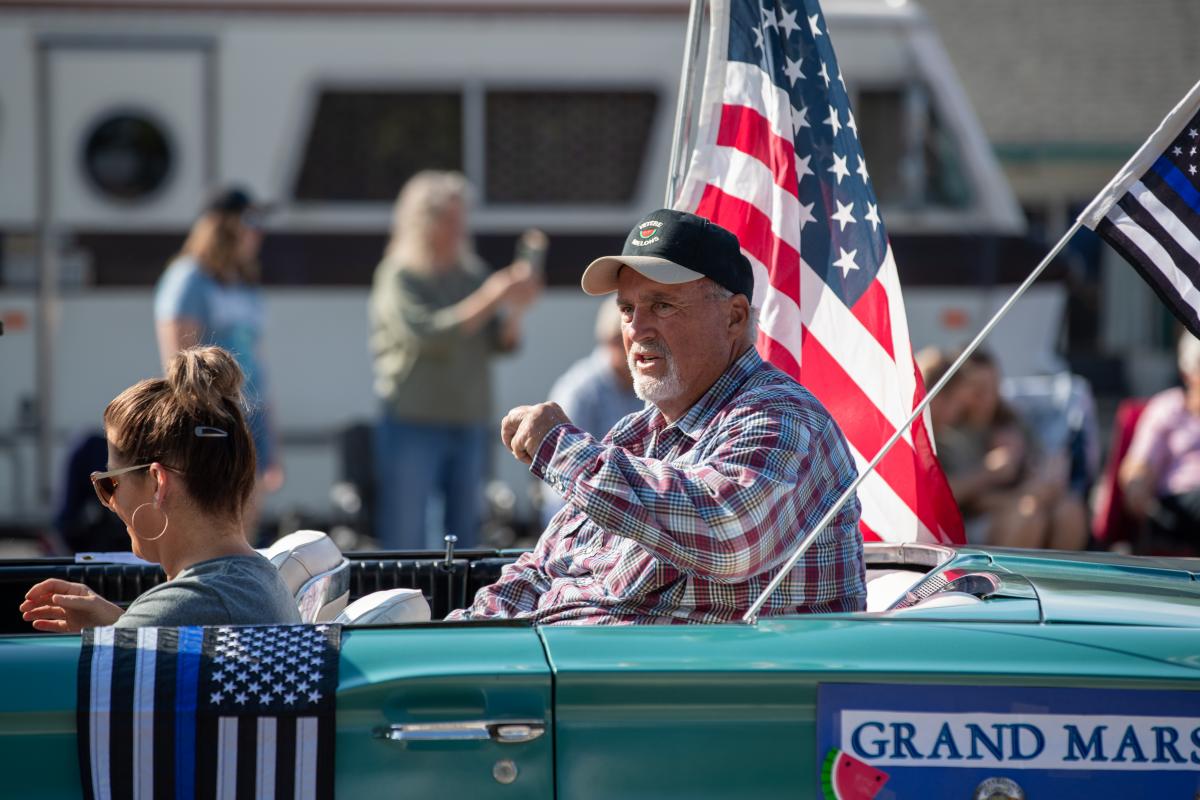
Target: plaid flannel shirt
<point x="687" y="522"/>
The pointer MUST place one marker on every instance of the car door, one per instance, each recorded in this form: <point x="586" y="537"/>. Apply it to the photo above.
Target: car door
<point x="444" y="710"/>
<point x="438" y="710"/>
<point x="735" y="711"/>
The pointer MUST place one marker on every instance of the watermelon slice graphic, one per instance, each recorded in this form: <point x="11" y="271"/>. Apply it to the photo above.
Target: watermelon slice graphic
<point x="844" y="777"/>
<point x="646" y="233"/>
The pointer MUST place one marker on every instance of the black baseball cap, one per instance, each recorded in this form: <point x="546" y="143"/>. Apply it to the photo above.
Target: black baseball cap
<point x="675" y="247"/>
<point x="233" y="200"/>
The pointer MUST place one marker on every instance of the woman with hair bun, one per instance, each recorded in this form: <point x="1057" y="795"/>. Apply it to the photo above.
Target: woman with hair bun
<point x="181" y="471"/>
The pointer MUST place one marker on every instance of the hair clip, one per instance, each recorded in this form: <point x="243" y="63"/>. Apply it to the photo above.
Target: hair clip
<point x="207" y="432"/>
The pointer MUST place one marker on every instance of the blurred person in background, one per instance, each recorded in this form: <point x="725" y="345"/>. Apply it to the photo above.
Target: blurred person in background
<point x="947" y="406"/>
<point x="1160" y="474"/>
<point x="210" y="295"/>
<point x="437" y="317"/>
<point x="179" y="477"/>
<point x="1009" y="495"/>
<point x="83" y="525"/>
<point x="595" y="392"/>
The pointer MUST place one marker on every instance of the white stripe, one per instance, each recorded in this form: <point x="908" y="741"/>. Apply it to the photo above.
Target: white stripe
<point x="1156" y="253"/>
<point x="1164" y="216"/>
<point x="265" y="786"/>
<point x="906" y="376"/>
<point x="227" y="739"/>
<point x="884" y="511"/>
<point x="100" y="717"/>
<point x="143" y="714"/>
<point x="746" y="178"/>
<point x="747" y="85"/>
<point x="306" y="758"/>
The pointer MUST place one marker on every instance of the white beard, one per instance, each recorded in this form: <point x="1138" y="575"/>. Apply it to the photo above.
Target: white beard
<point x="656" y="390"/>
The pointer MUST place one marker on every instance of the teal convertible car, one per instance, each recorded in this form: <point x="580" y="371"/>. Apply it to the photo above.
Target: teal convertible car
<point x="975" y="673"/>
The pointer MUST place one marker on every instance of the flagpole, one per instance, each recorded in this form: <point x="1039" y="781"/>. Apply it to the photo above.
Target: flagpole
<point x="751" y="616"/>
<point x="683" y="107"/>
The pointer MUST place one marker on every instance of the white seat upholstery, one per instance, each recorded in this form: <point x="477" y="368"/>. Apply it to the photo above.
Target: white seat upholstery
<point x="315" y="571"/>
<point x="886" y="586"/>
<point x="386" y="608"/>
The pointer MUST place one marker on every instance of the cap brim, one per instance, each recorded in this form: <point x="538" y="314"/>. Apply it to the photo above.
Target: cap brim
<point x="601" y="275"/>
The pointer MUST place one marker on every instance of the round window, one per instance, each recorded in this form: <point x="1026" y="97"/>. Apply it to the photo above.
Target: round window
<point x="127" y="156"/>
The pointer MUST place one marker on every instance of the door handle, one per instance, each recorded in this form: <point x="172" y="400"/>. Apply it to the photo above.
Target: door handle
<point x="513" y="731"/>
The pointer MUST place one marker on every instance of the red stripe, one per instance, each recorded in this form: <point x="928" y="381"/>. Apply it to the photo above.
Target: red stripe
<point x="864" y="425"/>
<point x="753" y="229"/>
<point x="873" y="311"/>
<point x="748" y="131"/>
<point x="868" y="534"/>
<point x="771" y="350"/>
<point x="935" y="496"/>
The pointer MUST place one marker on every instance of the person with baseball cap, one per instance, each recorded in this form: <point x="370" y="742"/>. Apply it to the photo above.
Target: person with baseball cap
<point x="684" y="511"/>
<point x="209" y="294"/>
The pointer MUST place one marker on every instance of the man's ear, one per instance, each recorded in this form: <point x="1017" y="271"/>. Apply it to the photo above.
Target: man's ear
<point x="739" y="315"/>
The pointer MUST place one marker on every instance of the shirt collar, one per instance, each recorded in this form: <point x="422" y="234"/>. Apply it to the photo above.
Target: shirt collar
<point x="698" y="417"/>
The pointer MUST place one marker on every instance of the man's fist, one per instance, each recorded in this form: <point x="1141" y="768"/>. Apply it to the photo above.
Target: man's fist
<point x="523" y="429"/>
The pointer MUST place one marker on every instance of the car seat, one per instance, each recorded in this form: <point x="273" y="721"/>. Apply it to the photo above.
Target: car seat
<point x="315" y="571"/>
<point x="386" y="608"/>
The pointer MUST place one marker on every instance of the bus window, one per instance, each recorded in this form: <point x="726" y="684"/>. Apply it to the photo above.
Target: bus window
<point x="913" y="156"/>
<point x="363" y="145"/>
<point x="581" y="147"/>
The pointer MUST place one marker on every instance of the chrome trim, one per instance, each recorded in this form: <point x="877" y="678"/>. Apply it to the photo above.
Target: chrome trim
<point x="516" y="731"/>
<point x="917" y="554"/>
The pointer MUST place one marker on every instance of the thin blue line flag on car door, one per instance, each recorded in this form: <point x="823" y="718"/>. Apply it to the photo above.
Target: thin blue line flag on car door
<point x="220" y="712"/>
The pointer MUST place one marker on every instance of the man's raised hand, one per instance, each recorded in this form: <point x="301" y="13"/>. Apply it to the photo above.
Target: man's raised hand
<point x="523" y="429"/>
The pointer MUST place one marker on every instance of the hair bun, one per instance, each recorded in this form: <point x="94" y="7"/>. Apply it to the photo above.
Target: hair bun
<point x="205" y="380"/>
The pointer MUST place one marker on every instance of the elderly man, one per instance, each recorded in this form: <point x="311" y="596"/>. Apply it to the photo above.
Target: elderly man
<point x="685" y="510"/>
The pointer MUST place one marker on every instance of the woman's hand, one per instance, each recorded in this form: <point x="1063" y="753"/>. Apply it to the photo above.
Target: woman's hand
<point x="60" y="606"/>
<point x="525" y="286"/>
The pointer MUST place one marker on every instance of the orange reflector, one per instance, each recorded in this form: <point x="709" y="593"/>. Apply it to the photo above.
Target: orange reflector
<point x="955" y="319"/>
<point x="14" y="321"/>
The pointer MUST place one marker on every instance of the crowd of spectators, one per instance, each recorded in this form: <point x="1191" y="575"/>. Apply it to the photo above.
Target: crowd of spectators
<point x="1019" y="483"/>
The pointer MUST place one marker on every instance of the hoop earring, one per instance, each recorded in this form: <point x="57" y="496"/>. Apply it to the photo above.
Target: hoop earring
<point x="133" y="524"/>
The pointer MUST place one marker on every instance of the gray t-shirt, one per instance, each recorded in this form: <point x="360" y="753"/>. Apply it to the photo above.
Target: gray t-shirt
<point x="231" y="590"/>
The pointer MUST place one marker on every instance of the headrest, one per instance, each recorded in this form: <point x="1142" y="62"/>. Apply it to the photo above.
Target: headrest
<point x="303" y="555"/>
<point x="386" y="607"/>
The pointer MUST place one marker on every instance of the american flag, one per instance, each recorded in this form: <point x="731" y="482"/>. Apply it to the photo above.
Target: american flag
<point x="777" y="161"/>
<point x="230" y="712"/>
<point x="1150" y="213"/>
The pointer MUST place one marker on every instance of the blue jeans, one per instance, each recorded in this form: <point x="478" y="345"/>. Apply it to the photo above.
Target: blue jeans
<point x="421" y="468"/>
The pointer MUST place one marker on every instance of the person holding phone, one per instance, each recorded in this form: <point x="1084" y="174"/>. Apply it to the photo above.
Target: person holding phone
<point x="437" y="317"/>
